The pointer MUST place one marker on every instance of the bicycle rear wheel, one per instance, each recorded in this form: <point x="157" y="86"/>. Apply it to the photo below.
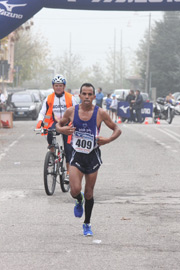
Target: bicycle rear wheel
<point x="49" y="173"/>
<point x="64" y="180"/>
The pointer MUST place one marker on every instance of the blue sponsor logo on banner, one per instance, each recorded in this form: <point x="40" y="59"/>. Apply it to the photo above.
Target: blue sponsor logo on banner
<point x="147" y="109"/>
<point x="123" y="109"/>
<point x="7" y="10"/>
<point x="13" y="13"/>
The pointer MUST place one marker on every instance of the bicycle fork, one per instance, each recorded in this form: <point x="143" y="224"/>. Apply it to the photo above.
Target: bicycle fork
<point x="58" y="159"/>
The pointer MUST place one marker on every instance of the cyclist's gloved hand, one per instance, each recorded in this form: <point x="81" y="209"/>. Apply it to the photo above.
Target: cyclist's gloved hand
<point x="39" y="124"/>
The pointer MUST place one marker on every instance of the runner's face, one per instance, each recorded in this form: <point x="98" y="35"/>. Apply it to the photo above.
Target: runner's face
<point x="87" y="96"/>
<point x="58" y="88"/>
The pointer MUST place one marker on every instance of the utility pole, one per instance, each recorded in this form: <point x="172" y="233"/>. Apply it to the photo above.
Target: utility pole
<point x="148" y="58"/>
<point x="70" y="59"/>
<point x="121" y="59"/>
<point x="114" y="64"/>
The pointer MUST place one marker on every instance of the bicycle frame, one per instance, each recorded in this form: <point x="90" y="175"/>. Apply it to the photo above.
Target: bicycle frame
<point x="54" y="164"/>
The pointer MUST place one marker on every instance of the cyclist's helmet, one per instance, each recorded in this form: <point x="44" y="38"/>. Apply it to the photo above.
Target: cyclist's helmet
<point x="59" y="79"/>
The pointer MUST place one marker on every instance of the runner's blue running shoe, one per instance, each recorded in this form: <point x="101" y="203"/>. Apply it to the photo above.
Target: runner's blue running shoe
<point x="78" y="208"/>
<point x="87" y="230"/>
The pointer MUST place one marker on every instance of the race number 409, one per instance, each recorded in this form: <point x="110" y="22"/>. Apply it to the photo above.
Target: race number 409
<point x="84" y="144"/>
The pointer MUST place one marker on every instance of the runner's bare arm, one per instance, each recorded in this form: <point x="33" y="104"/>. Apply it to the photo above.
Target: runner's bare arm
<point x="104" y="117"/>
<point x="62" y="127"/>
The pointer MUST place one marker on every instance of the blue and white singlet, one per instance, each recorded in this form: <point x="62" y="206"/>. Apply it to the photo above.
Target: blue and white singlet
<point x="84" y="137"/>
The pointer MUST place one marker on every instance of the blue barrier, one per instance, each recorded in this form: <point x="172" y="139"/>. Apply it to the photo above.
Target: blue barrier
<point x="123" y="109"/>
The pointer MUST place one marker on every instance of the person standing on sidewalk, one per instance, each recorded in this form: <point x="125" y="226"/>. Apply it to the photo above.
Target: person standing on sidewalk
<point x="2" y="101"/>
<point x="137" y="105"/>
<point x="130" y="97"/>
<point x="99" y="97"/>
<point x="85" y="126"/>
<point x="113" y="108"/>
<point x="108" y="103"/>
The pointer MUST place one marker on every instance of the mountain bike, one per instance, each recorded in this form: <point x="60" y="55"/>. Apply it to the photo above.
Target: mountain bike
<point x="54" y="164"/>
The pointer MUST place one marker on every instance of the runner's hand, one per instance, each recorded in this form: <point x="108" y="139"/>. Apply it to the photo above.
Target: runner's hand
<point x="101" y="140"/>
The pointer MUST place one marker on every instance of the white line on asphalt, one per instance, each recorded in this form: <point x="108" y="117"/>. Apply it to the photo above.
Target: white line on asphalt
<point x="173" y="137"/>
<point x="172" y="132"/>
<point x="159" y="142"/>
<point x="11" y="145"/>
<point x="167" y="146"/>
<point x="163" y="144"/>
<point x="2" y="155"/>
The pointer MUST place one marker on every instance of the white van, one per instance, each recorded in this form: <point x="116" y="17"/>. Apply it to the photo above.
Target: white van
<point x="121" y="94"/>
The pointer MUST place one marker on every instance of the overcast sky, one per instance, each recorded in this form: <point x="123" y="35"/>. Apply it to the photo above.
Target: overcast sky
<point x="91" y="33"/>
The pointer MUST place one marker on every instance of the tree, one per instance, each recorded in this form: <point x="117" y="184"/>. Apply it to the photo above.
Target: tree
<point x="29" y="56"/>
<point x="96" y="75"/>
<point x="164" y="54"/>
<point x="69" y="65"/>
<point x="116" y="69"/>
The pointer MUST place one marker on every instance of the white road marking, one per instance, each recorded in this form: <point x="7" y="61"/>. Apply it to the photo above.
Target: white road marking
<point x="172" y="132"/>
<point x="11" y="145"/>
<point x="172" y="136"/>
<point x="169" y="133"/>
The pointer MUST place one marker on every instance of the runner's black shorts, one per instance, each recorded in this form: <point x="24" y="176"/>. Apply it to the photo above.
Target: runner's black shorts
<point x="86" y="163"/>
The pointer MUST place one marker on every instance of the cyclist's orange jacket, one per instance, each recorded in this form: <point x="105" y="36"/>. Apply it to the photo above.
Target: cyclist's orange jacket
<point x="49" y="118"/>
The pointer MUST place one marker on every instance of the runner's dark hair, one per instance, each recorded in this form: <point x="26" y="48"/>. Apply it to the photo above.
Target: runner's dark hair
<point x="87" y="85"/>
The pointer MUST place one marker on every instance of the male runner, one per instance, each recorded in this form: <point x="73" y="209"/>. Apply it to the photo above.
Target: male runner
<point x="86" y="120"/>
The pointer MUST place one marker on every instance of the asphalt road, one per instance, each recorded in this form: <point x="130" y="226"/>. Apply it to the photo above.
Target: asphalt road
<point x="136" y="216"/>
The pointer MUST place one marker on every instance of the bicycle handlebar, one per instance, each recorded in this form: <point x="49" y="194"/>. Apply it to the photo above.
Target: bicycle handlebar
<point x="44" y="130"/>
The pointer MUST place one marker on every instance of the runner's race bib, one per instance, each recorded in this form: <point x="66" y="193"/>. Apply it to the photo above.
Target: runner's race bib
<point x="83" y="142"/>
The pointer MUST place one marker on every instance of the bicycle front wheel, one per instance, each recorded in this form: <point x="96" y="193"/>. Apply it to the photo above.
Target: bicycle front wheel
<point x="49" y="173"/>
<point x="64" y="179"/>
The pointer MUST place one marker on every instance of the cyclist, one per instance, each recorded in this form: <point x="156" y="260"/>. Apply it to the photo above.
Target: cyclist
<point x="86" y="156"/>
<point x="53" y="110"/>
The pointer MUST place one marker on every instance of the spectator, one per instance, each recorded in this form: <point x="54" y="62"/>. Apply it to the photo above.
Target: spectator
<point x="113" y="108"/>
<point x="130" y="97"/>
<point x="69" y="90"/>
<point x="99" y="97"/>
<point x="108" y="103"/>
<point x="170" y="98"/>
<point x="138" y="104"/>
<point x="2" y="101"/>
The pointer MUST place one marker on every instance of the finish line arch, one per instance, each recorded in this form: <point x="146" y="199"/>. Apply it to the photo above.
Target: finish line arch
<point x="14" y="13"/>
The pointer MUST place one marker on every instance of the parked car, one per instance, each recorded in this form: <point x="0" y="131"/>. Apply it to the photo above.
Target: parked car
<point x="39" y="97"/>
<point x="23" y="105"/>
<point x="176" y="95"/>
<point x="47" y="92"/>
<point x="145" y="97"/>
<point x="38" y="94"/>
<point x="177" y="106"/>
<point x="121" y="94"/>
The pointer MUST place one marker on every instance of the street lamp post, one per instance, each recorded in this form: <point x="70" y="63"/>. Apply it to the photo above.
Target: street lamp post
<point x="148" y="57"/>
